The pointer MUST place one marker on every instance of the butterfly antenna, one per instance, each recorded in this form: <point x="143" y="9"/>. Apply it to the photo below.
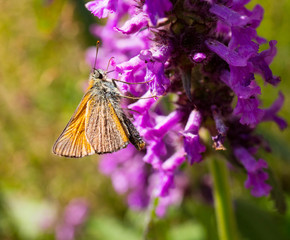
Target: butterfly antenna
<point x="109" y="64"/>
<point x="97" y="51"/>
<point x="111" y="71"/>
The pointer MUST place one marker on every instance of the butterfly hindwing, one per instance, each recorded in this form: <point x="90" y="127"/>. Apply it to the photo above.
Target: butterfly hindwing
<point x="134" y="135"/>
<point x="73" y="142"/>
<point x="104" y="129"/>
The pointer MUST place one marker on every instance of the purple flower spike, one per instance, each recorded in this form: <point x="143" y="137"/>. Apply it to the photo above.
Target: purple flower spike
<point x="101" y="8"/>
<point x="204" y="63"/>
<point x="256" y="175"/>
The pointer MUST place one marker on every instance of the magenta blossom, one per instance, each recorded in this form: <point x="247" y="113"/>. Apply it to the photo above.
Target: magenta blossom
<point x="204" y="56"/>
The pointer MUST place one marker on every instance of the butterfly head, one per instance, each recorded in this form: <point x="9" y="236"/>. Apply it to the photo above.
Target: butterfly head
<point x="99" y="74"/>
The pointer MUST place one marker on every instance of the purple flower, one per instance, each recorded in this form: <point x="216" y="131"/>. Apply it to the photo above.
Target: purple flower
<point x="163" y="125"/>
<point x="165" y="183"/>
<point x="134" y="24"/>
<point x="256" y="175"/>
<point x="126" y="175"/>
<point x="167" y="171"/>
<point x="192" y="144"/>
<point x="174" y="195"/>
<point x="172" y="163"/>
<point x="249" y="111"/>
<point x="132" y="177"/>
<point x="101" y="8"/>
<point x="156" y="145"/>
<point x="232" y="57"/>
<point x="241" y="81"/>
<point x="156" y="9"/>
<point x="229" y="16"/>
<point x="261" y="64"/>
<point x="204" y="64"/>
<point x="155" y="73"/>
<point x="154" y="62"/>
<point x="270" y="114"/>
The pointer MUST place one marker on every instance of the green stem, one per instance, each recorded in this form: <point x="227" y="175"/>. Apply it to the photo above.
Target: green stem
<point x="151" y="216"/>
<point x="225" y="218"/>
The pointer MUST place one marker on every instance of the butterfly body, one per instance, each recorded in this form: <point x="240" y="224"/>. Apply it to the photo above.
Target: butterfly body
<point x="99" y="124"/>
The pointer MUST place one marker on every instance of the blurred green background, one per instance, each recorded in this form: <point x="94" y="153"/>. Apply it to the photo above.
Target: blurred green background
<point x="42" y="77"/>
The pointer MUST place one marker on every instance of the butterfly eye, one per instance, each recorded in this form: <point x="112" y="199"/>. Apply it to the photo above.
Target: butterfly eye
<point x="97" y="74"/>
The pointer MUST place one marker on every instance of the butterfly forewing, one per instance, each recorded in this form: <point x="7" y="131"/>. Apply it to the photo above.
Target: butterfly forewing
<point x="104" y="130"/>
<point x="73" y="142"/>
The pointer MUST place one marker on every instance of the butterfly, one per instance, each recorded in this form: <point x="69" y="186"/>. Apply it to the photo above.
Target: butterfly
<point x="99" y="124"/>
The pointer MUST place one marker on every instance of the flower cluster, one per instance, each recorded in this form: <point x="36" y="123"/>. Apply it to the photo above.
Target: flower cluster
<point x="204" y="55"/>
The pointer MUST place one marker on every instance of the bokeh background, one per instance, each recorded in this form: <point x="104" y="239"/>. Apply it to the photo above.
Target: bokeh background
<point x="42" y="77"/>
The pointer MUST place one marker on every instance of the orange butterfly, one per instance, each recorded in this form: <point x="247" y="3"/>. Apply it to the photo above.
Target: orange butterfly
<point x="99" y="125"/>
